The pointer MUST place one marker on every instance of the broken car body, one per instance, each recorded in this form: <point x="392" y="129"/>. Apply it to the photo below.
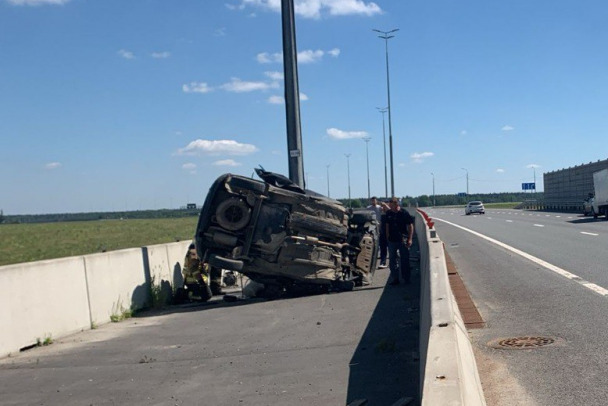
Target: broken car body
<point x="279" y="235"/>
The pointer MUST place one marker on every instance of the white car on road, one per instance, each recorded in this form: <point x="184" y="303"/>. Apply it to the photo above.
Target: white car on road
<point x="474" y="207"/>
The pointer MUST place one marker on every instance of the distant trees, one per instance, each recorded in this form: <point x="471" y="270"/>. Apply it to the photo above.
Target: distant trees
<point x="1" y="216"/>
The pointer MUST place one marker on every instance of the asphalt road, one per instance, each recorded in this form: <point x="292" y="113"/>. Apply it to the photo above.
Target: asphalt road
<point x="540" y="275"/>
<point x="328" y="349"/>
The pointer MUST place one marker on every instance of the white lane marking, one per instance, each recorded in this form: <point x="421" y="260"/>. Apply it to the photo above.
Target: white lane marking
<point x="586" y="233"/>
<point x="538" y="225"/>
<point x="557" y="217"/>
<point x="591" y="286"/>
<point x="509" y="221"/>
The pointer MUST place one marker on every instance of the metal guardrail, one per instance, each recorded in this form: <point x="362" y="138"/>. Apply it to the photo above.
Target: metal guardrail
<point x="565" y="206"/>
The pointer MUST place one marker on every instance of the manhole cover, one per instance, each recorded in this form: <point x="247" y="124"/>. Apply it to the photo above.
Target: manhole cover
<point x="523" y="343"/>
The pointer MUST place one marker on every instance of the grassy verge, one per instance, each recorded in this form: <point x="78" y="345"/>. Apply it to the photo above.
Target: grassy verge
<point x="34" y="242"/>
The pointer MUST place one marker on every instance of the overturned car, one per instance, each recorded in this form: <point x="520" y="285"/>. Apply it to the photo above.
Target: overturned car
<point x="284" y="237"/>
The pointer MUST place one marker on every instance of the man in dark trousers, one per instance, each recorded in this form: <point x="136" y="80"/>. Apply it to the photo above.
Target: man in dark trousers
<point x="399" y="233"/>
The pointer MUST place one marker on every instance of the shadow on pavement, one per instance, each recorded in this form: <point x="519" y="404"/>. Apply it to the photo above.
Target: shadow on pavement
<point x="385" y="366"/>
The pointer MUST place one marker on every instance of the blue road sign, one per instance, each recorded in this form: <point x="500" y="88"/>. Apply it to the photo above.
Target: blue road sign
<point x="528" y="186"/>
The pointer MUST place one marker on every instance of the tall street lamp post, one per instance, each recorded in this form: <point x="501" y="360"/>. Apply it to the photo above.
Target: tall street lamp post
<point x="384" y="110"/>
<point x="292" y="94"/>
<point x="464" y="169"/>
<point x="366" y="139"/>
<point x="327" y="167"/>
<point x="385" y="35"/>
<point x="348" y="174"/>
<point x="433" y="188"/>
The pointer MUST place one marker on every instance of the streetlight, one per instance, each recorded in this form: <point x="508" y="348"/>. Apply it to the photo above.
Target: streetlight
<point x="386" y="36"/>
<point x="348" y="172"/>
<point x="366" y="139"/>
<point x="433" y="188"/>
<point x="327" y="167"/>
<point x="464" y="169"/>
<point x="384" y="110"/>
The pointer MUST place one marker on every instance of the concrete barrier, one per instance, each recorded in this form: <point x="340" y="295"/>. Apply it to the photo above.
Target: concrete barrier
<point x="45" y="300"/>
<point x="41" y="301"/>
<point x="116" y="283"/>
<point x="448" y="369"/>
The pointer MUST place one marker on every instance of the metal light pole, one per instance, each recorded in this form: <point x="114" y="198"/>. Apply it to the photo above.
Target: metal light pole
<point x="386" y="36"/>
<point x="464" y="169"/>
<point x="292" y="95"/>
<point x="433" y="188"/>
<point x="384" y="110"/>
<point x="348" y="173"/>
<point x="534" y="179"/>
<point x="366" y="139"/>
<point x="327" y="167"/>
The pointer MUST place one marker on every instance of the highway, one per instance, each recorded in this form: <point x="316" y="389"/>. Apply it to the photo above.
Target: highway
<point x="539" y="275"/>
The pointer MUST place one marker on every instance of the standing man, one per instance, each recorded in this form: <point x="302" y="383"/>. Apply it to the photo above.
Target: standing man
<point x="399" y="233"/>
<point x="380" y="210"/>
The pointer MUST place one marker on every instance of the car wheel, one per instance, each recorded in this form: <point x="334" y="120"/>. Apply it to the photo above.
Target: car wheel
<point x="233" y="214"/>
<point x="225" y="263"/>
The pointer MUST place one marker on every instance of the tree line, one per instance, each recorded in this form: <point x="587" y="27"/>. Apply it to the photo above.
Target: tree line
<point x="420" y="201"/>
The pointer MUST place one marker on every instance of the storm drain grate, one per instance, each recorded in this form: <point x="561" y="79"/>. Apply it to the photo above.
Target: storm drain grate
<point x="523" y="343"/>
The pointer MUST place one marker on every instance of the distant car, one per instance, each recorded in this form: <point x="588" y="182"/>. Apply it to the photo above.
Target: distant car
<point x="474" y="207"/>
<point x="588" y="206"/>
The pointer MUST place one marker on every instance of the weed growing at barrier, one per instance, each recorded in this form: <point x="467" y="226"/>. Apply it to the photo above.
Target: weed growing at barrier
<point x="119" y="312"/>
<point x="48" y="340"/>
<point x="159" y="295"/>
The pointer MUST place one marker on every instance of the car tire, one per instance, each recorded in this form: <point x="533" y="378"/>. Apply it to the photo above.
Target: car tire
<point x="233" y="214"/>
<point x="225" y="263"/>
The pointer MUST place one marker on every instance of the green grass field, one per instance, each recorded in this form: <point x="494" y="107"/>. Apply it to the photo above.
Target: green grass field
<point x="34" y="242"/>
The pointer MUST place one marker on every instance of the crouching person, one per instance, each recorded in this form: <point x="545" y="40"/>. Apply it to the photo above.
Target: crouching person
<point x="196" y="277"/>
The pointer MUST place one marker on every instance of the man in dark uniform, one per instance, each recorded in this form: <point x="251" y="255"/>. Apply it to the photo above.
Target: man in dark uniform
<point x="399" y="233"/>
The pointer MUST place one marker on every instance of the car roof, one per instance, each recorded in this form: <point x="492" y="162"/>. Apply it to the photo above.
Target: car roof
<point x="475" y="202"/>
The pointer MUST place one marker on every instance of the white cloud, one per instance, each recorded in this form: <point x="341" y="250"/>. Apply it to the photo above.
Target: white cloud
<point x="463" y="132"/>
<point x="419" y="157"/>
<point x="315" y="8"/>
<point x="220" y="32"/>
<point x="500" y="170"/>
<point x="345" y="135"/>
<point x="265" y="57"/>
<point x="507" y="128"/>
<point x="217" y="147"/>
<point x="276" y="100"/>
<point x="310" y="56"/>
<point x="196" y="87"/>
<point x="236" y="85"/>
<point x="281" y="100"/>
<point x="160" y="55"/>
<point x="532" y="166"/>
<point x="37" y="2"/>
<point x="274" y="75"/>
<point x="227" y="162"/>
<point x="126" y="54"/>
<point x="52" y="165"/>
<point x="190" y="167"/>
<point x="304" y="57"/>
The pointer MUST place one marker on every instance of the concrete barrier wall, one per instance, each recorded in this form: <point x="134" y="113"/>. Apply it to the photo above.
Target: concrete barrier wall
<point x="51" y="299"/>
<point x="449" y="373"/>
<point x="42" y="301"/>
<point x="116" y="282"/>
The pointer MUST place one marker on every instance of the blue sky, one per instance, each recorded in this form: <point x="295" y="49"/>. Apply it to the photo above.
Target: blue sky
<point x="109" y="105"/>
